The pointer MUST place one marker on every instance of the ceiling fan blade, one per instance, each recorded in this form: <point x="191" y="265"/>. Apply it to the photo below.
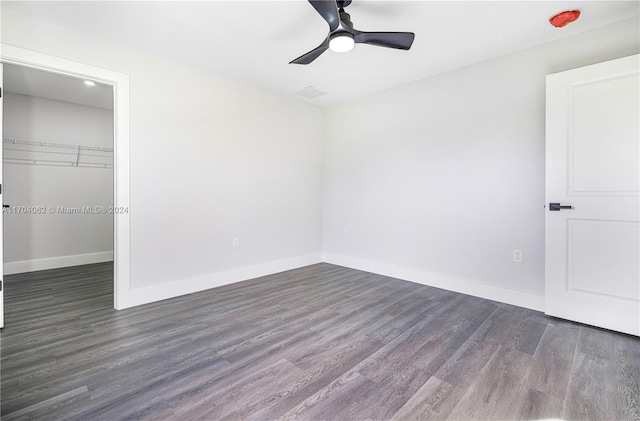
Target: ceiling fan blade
<point x="328" y="9"/>
<point x="399" y="40"/>
<point x="313" y="54"/>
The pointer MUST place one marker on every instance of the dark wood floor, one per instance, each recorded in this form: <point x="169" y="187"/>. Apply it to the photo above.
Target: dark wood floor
<point x="317" y="343"/>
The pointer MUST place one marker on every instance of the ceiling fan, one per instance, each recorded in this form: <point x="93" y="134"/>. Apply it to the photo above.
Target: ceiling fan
<point x="342" y="35"/>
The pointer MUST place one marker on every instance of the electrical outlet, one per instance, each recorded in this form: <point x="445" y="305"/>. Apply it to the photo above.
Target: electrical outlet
<point x="345" y="234"/>
<point x="236" y="243"/>
<point x="517" y="256"/>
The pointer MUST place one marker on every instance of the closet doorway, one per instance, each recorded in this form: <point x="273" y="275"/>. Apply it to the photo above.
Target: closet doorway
<point x="118" y="85"/>
<point x="58" y="171"/>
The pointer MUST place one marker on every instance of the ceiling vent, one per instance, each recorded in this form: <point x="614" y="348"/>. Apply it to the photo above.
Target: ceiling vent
<point x="310" y="92"/>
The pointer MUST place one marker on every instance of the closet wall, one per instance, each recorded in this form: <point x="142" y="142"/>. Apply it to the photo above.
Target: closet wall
<point x="42" y="228"/>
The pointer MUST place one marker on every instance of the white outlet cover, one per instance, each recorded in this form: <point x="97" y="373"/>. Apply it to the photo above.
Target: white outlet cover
<point x="517" y="256"/>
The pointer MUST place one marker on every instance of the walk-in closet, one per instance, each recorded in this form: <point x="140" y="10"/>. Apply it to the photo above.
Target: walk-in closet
<point x="58" y="173"/>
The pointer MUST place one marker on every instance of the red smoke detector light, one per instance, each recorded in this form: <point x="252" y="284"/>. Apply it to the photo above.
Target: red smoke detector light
<point x="564" y="18"/>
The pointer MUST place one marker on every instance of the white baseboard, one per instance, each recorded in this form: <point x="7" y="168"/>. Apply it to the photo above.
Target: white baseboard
<point x="139" y="296"/>
<point x="56" y="262"/>
<point x="465" y="286"/>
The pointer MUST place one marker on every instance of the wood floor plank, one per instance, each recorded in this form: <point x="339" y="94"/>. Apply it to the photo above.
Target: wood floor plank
<point x="627" y="395"/>
<point x="537" y="405"/>
<point x="552" y="363"/>
<point x="435" y="400"/>
<point x="43" y="408"/>
<point x="506" y="328"/>
<point x="587" y="395"/>
<point x="467" y="362"/>
<point x="498" y="391"/>
<point x="243" y="393"/>
<point x="448" y="329"/>
<point x="332" y="401"/>
<point x="327" y="366"/>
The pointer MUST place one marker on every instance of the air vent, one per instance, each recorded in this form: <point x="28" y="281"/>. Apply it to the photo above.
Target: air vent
<point x="310" y="92"/>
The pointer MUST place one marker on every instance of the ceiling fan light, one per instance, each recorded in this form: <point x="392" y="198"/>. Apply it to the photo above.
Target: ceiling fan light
<point x="341" y="43"/>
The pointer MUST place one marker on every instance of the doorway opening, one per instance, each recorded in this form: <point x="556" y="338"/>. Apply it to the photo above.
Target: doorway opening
<point x="118" y="84"/>
<point x="57" y="171"/>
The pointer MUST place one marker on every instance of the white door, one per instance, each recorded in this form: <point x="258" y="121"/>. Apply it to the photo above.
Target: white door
<point x="1" y="201"/>
<point x="592" y="250"/>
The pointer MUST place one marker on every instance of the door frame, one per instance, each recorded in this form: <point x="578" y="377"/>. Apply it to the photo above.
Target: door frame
<point x="121" y="166"/>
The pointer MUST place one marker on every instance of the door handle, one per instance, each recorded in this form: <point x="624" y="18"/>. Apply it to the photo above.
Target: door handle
<point x="558" y="206"/>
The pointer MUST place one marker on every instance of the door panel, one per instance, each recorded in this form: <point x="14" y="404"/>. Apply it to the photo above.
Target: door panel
<point x="603" y="250"/>
<point x="603" y="155"/>
<point x="592" y="251"/>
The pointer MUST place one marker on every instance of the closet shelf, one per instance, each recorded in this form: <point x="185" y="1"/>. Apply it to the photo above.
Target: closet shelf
<point x="17" y="151"/>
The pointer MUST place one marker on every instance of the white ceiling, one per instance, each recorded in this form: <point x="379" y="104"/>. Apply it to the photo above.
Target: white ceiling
<point x="38" y="83"/>
<point x="253" y="41"/>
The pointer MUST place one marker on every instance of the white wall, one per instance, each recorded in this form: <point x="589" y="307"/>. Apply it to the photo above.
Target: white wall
<point x="44" y="241"/>
<point x="439" y="180"/>
<point x="436" y="181"/>
<point x="211" y="159"/>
